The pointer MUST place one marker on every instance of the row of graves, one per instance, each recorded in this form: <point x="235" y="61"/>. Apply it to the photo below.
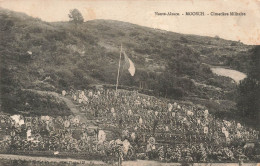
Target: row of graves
<point x="130" y="125"/>
<point x="172" y="125"/>
<point x="58" y="136"/>
<point x="140" y="114"/>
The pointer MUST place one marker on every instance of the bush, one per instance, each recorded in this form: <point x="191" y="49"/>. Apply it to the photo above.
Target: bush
<point x="184" y="40"/>
<point x="142" y="50"/>
<point x="120" y="33"/>
<point x="233" y="44"/>
<point x="86" y="37"/>
<point x="56" y="36"/>
<point x="176" y="93"/>
<point x="6" y="25"/>
<point x="37" y="42"/>
<point x="205" y="51"/>
<point x="214" y="82"/>
<point x="63" y="84"/>
<point x="36" y="30"/>
<point x="206" y="70"/>
<point x="27" y="36"/>
<point x="133" y="34"/>
<point x="24" y="58"/>
<point x="103" y="28"/>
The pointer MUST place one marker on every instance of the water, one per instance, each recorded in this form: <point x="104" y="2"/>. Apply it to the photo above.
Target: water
<point x="233" y="74"/>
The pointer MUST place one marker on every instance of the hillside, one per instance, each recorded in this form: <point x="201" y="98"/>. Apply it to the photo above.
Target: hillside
<point x="55" y="56"/>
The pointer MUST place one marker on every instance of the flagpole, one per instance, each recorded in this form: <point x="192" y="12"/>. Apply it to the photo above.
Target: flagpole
<point x="118" y="68"/>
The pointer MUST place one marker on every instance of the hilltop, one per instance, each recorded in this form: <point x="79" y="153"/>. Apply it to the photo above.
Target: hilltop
<point x="56" y="56"/>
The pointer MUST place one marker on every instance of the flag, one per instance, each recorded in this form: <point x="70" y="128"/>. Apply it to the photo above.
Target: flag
<point x="130" y="65"/>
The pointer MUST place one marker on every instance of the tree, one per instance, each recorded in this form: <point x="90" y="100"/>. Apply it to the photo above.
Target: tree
<point x="76" y="17"/>
<point x="249" y="90"/>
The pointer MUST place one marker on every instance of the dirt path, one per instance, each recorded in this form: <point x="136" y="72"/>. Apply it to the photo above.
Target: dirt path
<point x="48" y="159"/>
<point x="51" y="160"/>
<point x="206" y="85"/>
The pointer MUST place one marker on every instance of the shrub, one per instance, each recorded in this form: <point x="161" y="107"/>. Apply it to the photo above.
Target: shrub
<point x="86" y="37"/>
<point x="206" y="51"/>
<point x="186" y="84"/>
<point x="27" y="36"/>
<point x="120" y="33"/>
<point x="36" y="30"/>
<point x="176" y="93"/>
<point x="206" y="70"/>
<point x="6" y="25"/>
<point x="63" y="84"/>
<point x="24" y="58"/>
<point x="184" y="40"/>
<point x="233" y="44"/>
<point x="55" y="35"/>
<point x="133" y="34"/>
<point x="37" y="42"/>
<point x="214" y="82"/>
<point x="103" y="28"/>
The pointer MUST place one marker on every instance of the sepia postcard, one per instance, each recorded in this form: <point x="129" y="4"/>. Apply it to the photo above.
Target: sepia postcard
<point x="129" y="83"/>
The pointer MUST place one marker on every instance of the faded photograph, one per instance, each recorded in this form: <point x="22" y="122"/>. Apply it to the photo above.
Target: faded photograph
<point x="129" y="83"/>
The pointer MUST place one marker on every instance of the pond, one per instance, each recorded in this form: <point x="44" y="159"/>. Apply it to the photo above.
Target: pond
<point x="233" y="74"/>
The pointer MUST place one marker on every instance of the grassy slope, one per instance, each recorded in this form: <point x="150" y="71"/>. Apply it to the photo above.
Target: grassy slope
<point x="65" y="56"/>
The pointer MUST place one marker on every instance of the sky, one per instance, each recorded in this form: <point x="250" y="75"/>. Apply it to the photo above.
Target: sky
<point x="142" y="12"/>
